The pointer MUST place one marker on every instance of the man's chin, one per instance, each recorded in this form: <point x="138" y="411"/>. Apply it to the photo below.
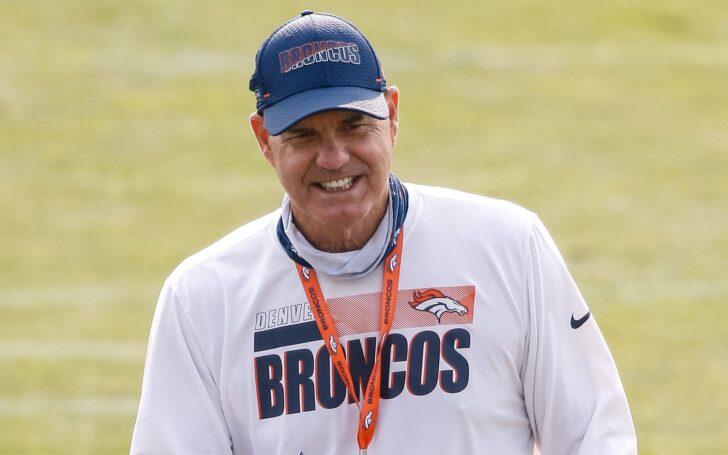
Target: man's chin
<point x="341" y="217"/>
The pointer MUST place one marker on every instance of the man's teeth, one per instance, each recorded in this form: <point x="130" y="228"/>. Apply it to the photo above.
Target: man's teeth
<point x="338" y="185"/>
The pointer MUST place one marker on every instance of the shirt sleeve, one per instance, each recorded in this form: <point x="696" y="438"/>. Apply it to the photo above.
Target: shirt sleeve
<point x="574" y="398"/>
<point x="180" y="410"/>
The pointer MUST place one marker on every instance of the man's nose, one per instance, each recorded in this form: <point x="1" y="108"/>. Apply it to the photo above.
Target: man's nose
<point x="333" y="154"/>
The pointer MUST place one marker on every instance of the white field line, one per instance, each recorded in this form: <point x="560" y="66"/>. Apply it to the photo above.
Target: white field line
<point x="77" y="350"/>
<point x="75" y="407"/>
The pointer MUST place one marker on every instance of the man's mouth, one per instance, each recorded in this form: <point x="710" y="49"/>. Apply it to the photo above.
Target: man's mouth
<point x="333" y="186"/>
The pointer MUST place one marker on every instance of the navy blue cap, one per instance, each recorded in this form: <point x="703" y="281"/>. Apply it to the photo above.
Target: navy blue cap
<point x="314" y="63"/>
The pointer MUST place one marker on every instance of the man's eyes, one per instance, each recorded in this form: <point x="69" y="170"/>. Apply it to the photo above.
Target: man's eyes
<point x="307" y="134"/>
<point x="300" y="135"/>
<point x="358" y="126"/>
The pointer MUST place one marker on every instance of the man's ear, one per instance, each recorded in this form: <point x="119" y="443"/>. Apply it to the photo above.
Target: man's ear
<point x="262" y="136"/>
<point x="392" y="97"/>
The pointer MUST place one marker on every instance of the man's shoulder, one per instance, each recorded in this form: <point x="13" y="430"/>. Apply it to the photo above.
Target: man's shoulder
<point x="469" y="225"/>
<point x="455" y="202"/>
<point x="237" y="247"/>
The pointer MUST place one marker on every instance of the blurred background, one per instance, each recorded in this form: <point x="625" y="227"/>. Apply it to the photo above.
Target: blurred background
<point x="125" y="147"/>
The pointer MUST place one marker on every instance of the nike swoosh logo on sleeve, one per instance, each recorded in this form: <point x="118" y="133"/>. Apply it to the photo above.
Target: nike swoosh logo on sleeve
<point x="576" y="323"/>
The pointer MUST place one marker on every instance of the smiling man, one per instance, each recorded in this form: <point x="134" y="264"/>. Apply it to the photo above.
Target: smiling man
<point x="368" y="315"/>
<point x="334" y="166"/>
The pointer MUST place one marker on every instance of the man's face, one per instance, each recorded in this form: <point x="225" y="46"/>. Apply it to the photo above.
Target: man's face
<point x="334" y="166"/>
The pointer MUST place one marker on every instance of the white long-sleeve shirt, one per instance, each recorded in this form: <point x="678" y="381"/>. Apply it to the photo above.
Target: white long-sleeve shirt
<point x="482" y="358"/>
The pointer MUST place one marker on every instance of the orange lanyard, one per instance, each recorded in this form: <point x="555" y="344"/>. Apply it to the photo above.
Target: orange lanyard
<point x="369" y="405"/>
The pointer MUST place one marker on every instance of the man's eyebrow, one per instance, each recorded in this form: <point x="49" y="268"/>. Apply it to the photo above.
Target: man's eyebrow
<point x="298" y="130"/>
<point x="354" y="118"/>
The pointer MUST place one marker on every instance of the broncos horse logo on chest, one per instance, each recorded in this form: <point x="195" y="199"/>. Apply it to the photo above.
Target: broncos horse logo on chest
<point x="436" y="303"/>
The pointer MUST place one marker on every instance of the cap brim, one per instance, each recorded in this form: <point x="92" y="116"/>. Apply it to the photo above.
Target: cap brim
<point x="285" y="113"/>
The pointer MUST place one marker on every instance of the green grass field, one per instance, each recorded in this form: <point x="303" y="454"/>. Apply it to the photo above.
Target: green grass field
<point x="124" y="147"/>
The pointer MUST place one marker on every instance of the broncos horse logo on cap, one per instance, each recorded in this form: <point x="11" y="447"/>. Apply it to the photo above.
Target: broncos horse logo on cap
<point x="436" y="303"/>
